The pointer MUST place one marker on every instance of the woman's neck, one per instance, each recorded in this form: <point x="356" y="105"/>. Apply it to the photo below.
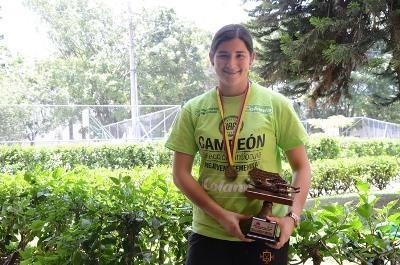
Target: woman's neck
<point x="231" y="91"/>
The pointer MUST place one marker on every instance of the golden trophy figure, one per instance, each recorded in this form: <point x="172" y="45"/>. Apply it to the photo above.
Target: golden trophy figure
<point x="270" y="188"/>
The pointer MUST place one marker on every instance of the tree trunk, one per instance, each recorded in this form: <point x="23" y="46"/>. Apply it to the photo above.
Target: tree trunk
<point x="71" y="129"/>
<point x="395" y="39"/>
<point x="12" y="259"/>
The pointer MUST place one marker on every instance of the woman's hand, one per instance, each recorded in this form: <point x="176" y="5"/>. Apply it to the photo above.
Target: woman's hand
<point x="190" y="187"/>
<point x="286" y="225"/>
<point x="230" y="221"/>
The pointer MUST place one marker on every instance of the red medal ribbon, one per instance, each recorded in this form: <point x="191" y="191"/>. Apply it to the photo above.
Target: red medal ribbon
<point x="231" y="146"/>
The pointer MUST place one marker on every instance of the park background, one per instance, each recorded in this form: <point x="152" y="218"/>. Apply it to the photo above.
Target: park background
<point x="85" y="178"/>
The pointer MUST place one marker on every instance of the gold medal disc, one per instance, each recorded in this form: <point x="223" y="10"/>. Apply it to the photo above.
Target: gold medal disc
<point x="230" y="173"/>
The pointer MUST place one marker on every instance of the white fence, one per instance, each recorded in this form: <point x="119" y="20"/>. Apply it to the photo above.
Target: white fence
<point x="361" y="127"/>
<point x="59" y="124"/>
<point x="52" y="124"/>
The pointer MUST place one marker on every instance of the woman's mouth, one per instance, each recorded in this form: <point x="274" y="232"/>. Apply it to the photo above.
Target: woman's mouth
<point x="231" y="72"/>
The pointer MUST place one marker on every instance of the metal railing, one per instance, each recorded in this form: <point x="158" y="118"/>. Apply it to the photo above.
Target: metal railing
<point x="53" y="124"/>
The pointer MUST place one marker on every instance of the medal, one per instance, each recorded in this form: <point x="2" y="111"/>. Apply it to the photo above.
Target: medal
<point x="230" y="173"/>
<point x="231" y="146"/>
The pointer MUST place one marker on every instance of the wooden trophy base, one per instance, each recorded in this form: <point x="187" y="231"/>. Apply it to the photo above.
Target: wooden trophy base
<point x="259" y="228"/>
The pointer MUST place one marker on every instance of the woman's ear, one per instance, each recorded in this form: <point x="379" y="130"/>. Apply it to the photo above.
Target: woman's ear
<point x="252" y="57"/>
<point x="211" y="58"/>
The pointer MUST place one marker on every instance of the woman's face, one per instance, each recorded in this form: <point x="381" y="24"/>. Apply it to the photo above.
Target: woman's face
<point x="231" y="62"/>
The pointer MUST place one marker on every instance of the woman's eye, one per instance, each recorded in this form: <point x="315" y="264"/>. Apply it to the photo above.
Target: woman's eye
<point x="222" y="56"/>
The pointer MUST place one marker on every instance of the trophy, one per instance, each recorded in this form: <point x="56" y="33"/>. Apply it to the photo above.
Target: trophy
<point x="270" y="188"/>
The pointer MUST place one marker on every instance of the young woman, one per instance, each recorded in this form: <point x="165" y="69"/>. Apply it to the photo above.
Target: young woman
<point x="235" y="127"/>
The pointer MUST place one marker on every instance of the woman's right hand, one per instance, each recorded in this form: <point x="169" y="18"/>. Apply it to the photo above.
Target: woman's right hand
<point x="191" y="188"/>
<point x="230" y="221"/>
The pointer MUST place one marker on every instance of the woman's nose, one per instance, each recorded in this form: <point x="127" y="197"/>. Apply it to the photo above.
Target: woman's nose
<point x="231" y="61"/>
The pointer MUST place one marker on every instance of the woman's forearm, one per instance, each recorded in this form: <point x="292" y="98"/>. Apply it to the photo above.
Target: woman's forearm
<point x="302" y="179"/>
<point x="196" y="194"/>
<point x="184" y="180"/>
<point x="300" y="165"/>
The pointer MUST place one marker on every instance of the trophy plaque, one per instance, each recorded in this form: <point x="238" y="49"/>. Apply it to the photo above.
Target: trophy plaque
<point x="270" y="188"/>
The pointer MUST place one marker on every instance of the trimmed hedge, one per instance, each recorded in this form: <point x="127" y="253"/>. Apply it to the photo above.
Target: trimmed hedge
<point x="362" y="147"/>
<point x="323" y="148"/>
<point x="337" y="176"/>
<point x="337" y="147"/>
<point x="330" y="176"/>
<point x="15" y="158"/>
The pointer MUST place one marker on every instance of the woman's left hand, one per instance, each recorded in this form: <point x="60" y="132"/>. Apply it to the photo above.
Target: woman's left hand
<point x="286" y="225"/>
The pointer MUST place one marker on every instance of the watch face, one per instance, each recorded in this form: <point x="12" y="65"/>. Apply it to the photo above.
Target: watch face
<point x="295" y="218"/>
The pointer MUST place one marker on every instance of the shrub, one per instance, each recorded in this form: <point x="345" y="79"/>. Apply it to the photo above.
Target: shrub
<point x="14" y="158"/>
<point x="336" y="176"/>
<point x="92" y="217"/>
<point x="360" y="233"/>
<point x="354" y="147"/>
<point x="137" y="216"/>
<point x="323" y="148"/>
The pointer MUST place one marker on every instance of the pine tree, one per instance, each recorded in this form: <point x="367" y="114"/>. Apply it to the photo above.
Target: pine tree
<point x="314" y="46"/>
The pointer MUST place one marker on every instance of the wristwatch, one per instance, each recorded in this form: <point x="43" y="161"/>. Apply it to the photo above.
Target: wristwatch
<point x="295" y="217"/>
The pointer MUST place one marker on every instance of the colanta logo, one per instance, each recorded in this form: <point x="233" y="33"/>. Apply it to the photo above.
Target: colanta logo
<point x="230" y="123"/>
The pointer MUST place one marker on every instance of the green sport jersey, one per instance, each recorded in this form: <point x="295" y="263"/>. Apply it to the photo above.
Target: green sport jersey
<point x="269" y="124"/>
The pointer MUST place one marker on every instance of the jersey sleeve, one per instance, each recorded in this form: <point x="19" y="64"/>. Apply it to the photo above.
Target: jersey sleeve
<point x="182" y="137"/>
<point x="290" y="130"/>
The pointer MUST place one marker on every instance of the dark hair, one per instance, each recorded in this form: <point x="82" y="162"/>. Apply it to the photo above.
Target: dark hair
<point x="230" y="32"/>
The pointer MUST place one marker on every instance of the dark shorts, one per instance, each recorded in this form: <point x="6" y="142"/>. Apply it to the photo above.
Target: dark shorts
<point x="210" y="251"/>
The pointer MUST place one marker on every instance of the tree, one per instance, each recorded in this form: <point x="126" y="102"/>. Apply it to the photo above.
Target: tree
<point x="88" y="67"/>
<point x="171" y="56"/>
<point x="314" y="46"/>
<point x="91" y="65"/>
<point x="362" y="89"/>
<point x="11" y="70"/>
<point x="17" y="123"/>
<point x="91" y="40"/>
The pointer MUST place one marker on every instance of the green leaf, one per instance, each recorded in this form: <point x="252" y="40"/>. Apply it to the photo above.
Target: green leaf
<point x="305" y="227"/>
<point x="57" y="173"/>
<point x="37" y="225"/>
<point x="332" y="208"/>
<point x="344" y="226"/>
<point x="362" y="187"/>
<point x="395" y="218"/>
<point x="163" y="187"/>
<point x="115" y="180"/>
<point x="127" y="179"/>
<point x="390" y="205"/>
<point x="28" y="176"/>
<point x="185" y="219"/>
<point x="370" y="239"/>
<point x="365" y="211"/>
<point x="335" y="219"/>
<point x="77" y="258"/>
<point x="356" y="224"/>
